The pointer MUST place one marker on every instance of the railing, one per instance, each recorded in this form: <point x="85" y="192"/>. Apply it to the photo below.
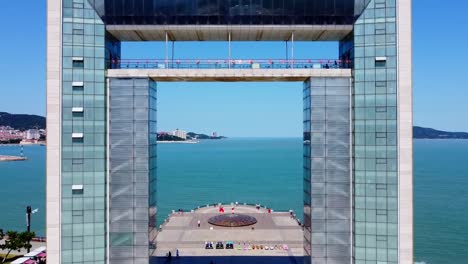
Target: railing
<point x="229" y="64"/>
<point x="181" y="210"/>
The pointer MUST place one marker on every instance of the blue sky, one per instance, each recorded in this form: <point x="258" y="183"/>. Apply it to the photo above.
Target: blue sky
<point x="249" y="109"/>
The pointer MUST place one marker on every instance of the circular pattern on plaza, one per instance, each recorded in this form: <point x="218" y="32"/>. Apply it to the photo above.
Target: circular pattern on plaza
<point x="232" y="220"/>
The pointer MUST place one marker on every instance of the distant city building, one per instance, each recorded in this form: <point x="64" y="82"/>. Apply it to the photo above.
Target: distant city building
<point x="32" y="134"/>
<point x="5" y="128"/>
<point x="215" y="134"/>
<point x="9" y="133"/>
<point x="179" y="133"/>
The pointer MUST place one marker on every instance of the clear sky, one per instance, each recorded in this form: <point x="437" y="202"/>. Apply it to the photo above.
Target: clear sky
<point x="248" y="109"/>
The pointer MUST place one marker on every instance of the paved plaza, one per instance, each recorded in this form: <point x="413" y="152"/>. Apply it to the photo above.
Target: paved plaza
<point x="272" y="230"/>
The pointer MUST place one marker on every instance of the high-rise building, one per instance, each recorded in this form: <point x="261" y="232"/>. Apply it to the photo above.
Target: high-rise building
<point x="101" y="119"/>
<point x="179" y="133"/>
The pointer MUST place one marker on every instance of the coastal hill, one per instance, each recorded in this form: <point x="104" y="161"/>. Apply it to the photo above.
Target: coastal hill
<point x="22" y="122"/>
<point x="167" y="137"/>
<point x="430" y="133"/>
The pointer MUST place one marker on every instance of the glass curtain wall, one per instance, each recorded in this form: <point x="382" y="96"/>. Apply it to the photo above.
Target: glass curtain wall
<point x="83" y="181"/>
<point x="327" y="171"/>
<point x="225" y="12"/>
<point x="132" y="156"/>
<point x="307" y="185"/>
<point x="375" y="135"/>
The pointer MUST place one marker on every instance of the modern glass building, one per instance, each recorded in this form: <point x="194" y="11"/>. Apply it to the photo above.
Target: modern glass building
<point x="101" y="120"/>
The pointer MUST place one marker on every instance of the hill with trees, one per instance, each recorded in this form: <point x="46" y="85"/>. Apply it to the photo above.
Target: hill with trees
<point x="22" y="122"/>
<point x="430" y="133"/>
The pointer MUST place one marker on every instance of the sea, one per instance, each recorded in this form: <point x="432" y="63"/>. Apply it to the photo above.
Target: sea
<point x="265" y="171"/>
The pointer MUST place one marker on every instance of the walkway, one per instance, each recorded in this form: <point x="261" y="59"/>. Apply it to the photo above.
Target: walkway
<point x="230" y="64"/>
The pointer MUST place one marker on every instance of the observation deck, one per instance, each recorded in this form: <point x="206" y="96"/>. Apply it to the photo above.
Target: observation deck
<point x="224" y="70"/>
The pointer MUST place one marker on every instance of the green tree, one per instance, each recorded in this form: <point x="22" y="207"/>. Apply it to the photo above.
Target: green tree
<point x="15" y="241"/>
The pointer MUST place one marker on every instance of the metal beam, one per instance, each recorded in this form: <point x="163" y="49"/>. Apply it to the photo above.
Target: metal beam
<point x="167" y="50"/>
<point x="228" y="75"/>
<point x="292" y="49"/>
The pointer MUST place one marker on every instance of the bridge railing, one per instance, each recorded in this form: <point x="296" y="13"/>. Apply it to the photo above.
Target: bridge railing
<point x="229" y="64"/>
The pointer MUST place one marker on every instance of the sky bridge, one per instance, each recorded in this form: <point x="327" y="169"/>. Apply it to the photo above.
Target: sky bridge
<point x="245" y="70"/>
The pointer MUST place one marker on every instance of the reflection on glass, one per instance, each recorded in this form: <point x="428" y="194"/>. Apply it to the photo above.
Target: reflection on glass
<point x="225" y="12"/>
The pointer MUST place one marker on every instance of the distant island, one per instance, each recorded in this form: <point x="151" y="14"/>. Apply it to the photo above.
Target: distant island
<point x="430" y="133"/>
<point x="184" y="137"/>
<point x="193" y="135"/>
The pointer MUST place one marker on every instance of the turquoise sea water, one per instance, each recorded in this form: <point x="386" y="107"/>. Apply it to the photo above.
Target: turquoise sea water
<point x="441" y="201"/>
<point x="266" y="171"/>
<point x="22" y="183"/>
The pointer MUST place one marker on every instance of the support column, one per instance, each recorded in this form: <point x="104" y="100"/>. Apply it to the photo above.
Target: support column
<point x="132" y="167"/>
<point x="167" y="50"/>
<point x="405" y="132"/>
<point x="54" y="130"/>
<point x="230" y="51"/>
<point x="173" y="53"/>
<point x="327" y="173"/>
<point x="292" y="50"/>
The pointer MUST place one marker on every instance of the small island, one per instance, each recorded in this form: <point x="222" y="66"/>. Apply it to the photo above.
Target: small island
<point x="193" y="135"/>
<point x="180" y="136"/>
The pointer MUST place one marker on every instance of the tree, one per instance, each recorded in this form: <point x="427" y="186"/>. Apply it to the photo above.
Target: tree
<point x="15" y="241"/>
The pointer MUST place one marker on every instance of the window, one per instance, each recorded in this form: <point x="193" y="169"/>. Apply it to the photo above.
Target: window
<point x="78" y="62"/>
<point x="78" y="31"/>
<point x="380" y="62"/>
<point x="77" y="189"/>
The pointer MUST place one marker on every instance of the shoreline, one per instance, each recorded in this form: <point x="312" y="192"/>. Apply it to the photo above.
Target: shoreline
<point x="27" y="144"/>
<point x="177" y="142"/>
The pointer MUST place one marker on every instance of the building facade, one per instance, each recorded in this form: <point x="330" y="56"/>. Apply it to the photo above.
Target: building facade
<point x="101" y="121"/>
<point x="179" y="133"/>
<point x="32" y="134"/>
